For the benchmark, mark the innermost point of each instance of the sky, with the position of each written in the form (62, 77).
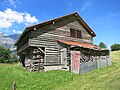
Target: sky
(102, 16)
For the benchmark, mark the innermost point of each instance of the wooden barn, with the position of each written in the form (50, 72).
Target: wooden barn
(62, 43)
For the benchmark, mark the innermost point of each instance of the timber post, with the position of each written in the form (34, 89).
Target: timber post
(14, 86)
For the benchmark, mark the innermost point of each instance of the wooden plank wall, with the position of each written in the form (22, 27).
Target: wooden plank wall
(48, 35)
(51, 47)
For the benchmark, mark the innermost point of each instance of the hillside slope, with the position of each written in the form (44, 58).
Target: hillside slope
(107, 78)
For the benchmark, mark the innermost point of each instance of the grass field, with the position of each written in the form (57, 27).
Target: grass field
(107, 78)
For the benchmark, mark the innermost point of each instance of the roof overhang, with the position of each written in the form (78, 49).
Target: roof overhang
(82, 45)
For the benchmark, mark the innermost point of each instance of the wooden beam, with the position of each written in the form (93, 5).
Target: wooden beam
(41, 50)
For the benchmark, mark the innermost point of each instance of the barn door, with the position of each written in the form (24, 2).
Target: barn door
(64, 58)
(75, 62)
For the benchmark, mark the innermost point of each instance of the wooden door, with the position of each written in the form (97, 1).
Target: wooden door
(75, 62)
(64, 58)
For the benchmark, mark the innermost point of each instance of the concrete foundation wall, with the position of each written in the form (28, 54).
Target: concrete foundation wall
(47, 68)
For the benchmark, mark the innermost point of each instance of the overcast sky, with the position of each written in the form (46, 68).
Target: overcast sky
(103, 16)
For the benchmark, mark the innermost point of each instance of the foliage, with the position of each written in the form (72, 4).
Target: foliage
(95, 45)
(14, 58)
(102, 45)
(6, 56)
(107, 78)
(115, 47)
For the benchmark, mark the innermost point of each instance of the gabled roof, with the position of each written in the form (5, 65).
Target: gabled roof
(54, 20)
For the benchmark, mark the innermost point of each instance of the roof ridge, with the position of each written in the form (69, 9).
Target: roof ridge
(51, 20)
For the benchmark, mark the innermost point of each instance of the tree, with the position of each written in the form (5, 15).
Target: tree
(115, 47)
(13, 59)
(6, 56)
(102, 45)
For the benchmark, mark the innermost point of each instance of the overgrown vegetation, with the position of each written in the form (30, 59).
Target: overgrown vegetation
(107, 78)
(6, 56)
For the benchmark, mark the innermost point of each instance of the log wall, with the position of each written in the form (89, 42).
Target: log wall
(47, 36)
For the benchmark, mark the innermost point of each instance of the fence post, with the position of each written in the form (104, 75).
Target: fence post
(14, 85)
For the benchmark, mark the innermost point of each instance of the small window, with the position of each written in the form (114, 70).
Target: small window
(79, 34)
(75, 33)
(72, 32)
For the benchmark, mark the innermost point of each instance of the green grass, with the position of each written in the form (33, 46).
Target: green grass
(26, 80)
(107, 78)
